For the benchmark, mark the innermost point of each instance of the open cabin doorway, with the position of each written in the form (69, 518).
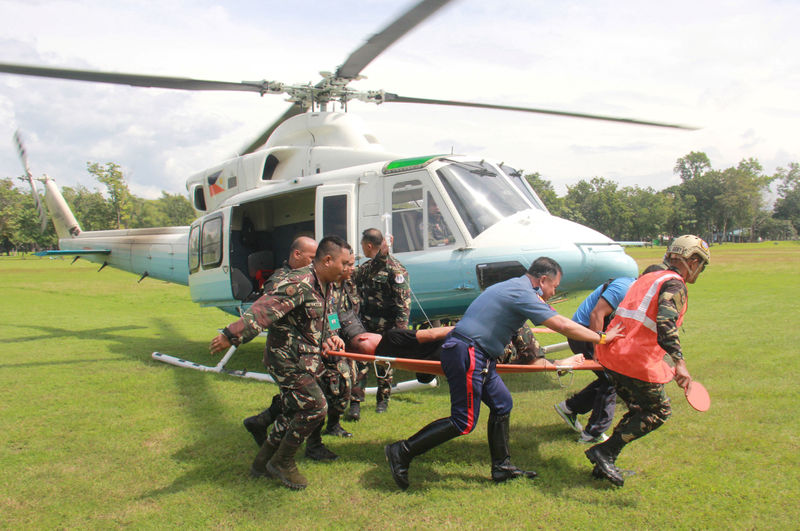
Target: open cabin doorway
(261, 233)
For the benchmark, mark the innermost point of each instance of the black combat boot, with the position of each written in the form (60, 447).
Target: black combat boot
(502, 469)
(259, 467)
(258, 425)
(400, 453)
(604, 465)
(316, 450)
(604, 456)
(333, 427)
(354, 414)
(283, 467)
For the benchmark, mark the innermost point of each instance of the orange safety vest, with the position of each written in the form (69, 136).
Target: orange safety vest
(638, 354)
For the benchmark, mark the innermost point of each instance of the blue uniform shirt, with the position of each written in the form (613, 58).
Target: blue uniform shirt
(613, 295)
(500, 311)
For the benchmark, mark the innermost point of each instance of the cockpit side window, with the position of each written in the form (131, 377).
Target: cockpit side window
(407, 216)
(519, 181)
(439, 233)
(480, 194)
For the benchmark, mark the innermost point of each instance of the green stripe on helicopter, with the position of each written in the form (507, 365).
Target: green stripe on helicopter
(408, 164)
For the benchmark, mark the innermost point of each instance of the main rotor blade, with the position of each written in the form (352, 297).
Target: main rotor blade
(294, 110)
(379, 42)
(394, 98)
(134, 80)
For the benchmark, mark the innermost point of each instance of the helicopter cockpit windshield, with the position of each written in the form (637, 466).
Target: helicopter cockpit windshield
(481, 194)
(519, 181)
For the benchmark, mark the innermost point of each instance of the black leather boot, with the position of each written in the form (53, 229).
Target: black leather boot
(502, 469)
(604, 465)
(316, 450)
(334, 427)
(258, 425)
(400, 453)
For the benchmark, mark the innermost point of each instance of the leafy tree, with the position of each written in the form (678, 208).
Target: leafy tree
(544, 189)
(29, 233)
(91, 209)
(20, 226)
(692, 165)
(680, 217)
(787, 207)
(741, 196)
(9, 212)
(650, 212)
(178, 209)
(118, 193)
(602, 206)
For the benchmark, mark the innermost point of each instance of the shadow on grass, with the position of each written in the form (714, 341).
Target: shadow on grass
(445, 465)
(52, 332)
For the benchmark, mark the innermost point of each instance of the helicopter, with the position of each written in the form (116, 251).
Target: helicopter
(459, 224)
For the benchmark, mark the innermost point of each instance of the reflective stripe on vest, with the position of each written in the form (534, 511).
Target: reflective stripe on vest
(638, 354)
(640, 313)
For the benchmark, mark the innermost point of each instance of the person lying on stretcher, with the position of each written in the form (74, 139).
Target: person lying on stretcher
(425, 344)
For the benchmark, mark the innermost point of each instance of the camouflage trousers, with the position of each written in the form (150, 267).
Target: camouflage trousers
(384, 376)
(302, 399)
(648, 406)
(337, 382)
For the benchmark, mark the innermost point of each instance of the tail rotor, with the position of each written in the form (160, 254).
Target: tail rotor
(23, 157)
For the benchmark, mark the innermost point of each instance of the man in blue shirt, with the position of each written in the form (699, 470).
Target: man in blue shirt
(469, 358)
(599, 397)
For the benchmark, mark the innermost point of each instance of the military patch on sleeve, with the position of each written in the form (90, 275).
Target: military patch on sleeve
(399, 278)
(291, 290)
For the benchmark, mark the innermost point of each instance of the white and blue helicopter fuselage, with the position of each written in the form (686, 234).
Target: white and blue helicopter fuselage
(458, 224)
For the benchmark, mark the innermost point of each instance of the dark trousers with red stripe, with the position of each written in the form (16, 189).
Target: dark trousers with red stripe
(473, 379)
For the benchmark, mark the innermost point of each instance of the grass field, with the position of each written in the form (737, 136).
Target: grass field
(97, 435)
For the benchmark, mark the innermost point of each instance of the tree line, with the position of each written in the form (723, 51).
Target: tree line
(719, 205)
(108, 206)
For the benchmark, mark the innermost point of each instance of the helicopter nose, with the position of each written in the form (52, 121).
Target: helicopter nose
(587, 257)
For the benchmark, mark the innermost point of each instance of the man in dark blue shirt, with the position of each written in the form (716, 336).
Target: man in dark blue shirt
(469, 358)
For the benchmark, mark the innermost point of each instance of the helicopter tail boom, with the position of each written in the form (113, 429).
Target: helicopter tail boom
(64, 221)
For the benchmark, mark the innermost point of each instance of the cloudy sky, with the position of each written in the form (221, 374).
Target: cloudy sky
(731, 68)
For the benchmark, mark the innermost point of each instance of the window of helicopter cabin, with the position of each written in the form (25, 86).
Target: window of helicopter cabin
(269, 167)
(194, 248)
(525, 187)
(199, 198)
(211, 243)
(334, 216)
(481, 196)
(407, 216)
(439, 233)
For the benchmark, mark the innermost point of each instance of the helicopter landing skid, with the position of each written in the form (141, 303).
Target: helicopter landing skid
(219, 368)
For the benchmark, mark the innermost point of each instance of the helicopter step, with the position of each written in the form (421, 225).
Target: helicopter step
(219, 368)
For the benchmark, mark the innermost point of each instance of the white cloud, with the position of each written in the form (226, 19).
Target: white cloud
(728, 67)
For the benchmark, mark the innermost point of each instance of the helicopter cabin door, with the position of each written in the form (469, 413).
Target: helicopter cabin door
(209, 272)
(336, 212)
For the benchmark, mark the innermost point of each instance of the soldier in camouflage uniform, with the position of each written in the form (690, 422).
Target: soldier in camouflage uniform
(524, 349)
(302, 321)
(301, 253)
(383, 287)
(635, 363)
(340, 372)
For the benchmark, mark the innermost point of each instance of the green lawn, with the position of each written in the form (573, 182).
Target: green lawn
(96, 435)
